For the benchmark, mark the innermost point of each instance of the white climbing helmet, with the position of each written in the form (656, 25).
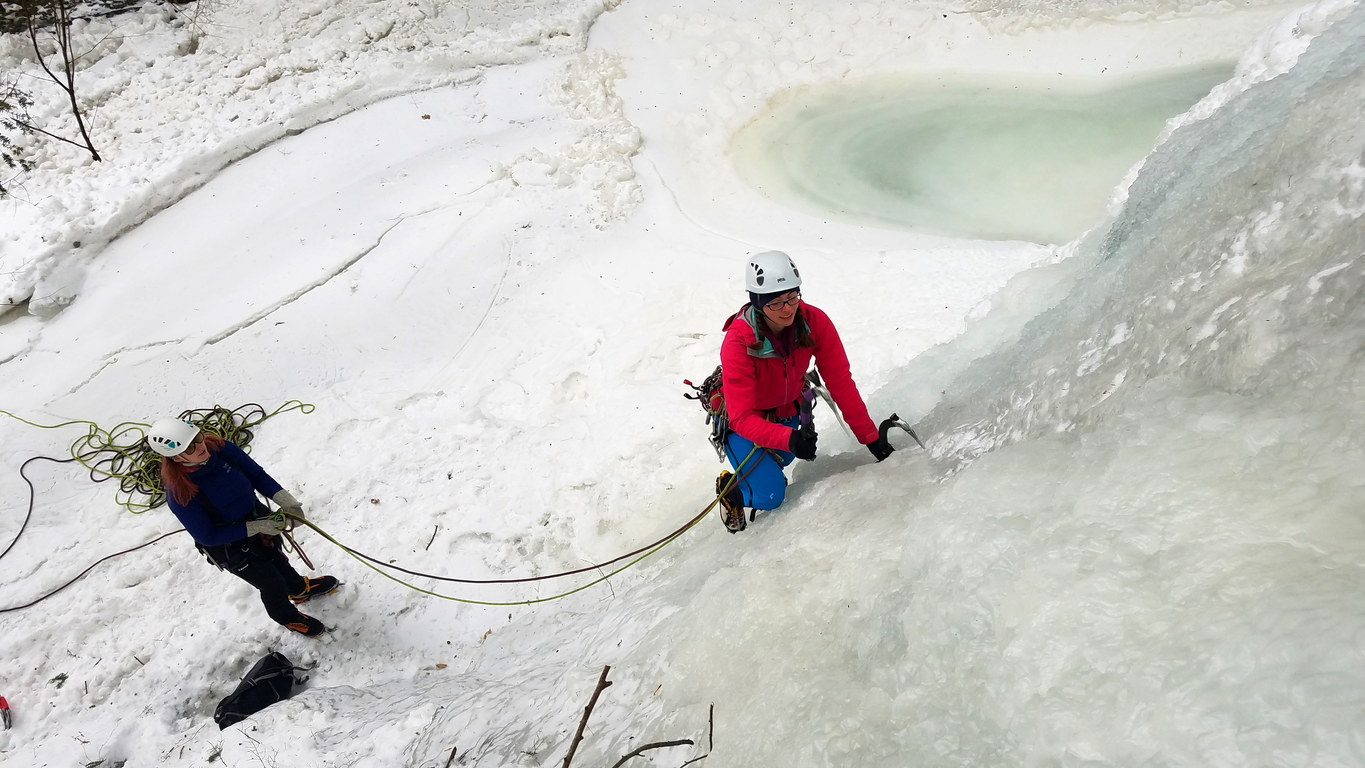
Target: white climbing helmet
(170, 437)
(771, 272)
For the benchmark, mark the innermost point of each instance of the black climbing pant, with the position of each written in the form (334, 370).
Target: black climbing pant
(260, 562)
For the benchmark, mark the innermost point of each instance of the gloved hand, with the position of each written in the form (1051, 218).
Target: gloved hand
(287, 503)
(802, 443)
(881, 448)
(267, 525)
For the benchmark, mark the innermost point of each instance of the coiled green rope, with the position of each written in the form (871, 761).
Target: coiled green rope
(122, 453)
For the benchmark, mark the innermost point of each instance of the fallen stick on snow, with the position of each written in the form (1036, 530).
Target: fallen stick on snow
(602, 684)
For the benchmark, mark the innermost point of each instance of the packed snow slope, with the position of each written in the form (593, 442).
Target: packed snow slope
(1134, 537)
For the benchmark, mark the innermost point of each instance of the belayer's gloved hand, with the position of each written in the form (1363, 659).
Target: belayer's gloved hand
(881, 448)
(287, 503)
(266, 525)
(802, 444)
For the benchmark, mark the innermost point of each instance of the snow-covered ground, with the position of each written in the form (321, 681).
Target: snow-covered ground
(489, 241)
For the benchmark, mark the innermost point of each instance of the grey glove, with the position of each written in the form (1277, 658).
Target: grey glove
(287, 503)
(266, 525)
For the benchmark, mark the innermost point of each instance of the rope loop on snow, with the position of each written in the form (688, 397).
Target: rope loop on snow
(380, 567)
(383, 568)
(234, 425)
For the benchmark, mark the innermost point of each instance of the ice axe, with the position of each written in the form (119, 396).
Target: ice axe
(813, 378)
(895, 421)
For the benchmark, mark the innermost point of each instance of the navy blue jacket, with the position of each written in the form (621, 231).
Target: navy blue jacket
(229, 480)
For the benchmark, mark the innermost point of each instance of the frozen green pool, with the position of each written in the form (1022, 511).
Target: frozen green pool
(995, 157)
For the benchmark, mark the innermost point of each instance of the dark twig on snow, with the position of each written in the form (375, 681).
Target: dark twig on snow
(655, 745)
(710, 738)
(433, 537)
(452, 757)
(602, 684)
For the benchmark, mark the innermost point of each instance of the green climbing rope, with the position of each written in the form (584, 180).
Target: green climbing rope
(378, 567)
(122, 453)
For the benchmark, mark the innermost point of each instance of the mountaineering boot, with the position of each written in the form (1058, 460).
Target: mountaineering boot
(322, 585)
(309, 626)
(731, 502)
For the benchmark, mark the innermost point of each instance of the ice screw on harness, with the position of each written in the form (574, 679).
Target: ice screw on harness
(4, 713)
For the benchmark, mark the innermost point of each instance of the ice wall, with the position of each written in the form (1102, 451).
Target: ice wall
(1140, 544)
(1016, 14)
(1236, 263)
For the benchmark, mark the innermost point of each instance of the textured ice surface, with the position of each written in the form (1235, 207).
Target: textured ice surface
(998, 157)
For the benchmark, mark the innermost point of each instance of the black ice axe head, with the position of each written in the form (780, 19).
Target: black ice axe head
(895, 421)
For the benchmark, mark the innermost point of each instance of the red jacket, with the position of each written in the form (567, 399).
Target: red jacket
(761, 385)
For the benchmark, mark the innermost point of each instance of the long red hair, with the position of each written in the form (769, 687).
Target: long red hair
(176, 477)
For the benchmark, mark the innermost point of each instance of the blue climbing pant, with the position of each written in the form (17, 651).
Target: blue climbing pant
(761, 478)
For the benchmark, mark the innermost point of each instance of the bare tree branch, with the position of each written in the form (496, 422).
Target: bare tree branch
(28, 127)
(655, 745)
(61, 33)
(602, 684)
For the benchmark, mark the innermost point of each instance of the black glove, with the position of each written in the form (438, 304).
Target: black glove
(802, 444)
(881, 448)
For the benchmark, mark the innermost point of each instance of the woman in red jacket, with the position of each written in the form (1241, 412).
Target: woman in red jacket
(768, 347)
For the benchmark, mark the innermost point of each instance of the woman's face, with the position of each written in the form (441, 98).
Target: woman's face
(197, 453)
(781, 311)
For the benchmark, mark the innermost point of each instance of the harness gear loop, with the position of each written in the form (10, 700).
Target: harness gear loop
(712, 400)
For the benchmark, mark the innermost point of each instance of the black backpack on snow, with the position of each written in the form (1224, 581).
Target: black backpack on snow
(269, 680)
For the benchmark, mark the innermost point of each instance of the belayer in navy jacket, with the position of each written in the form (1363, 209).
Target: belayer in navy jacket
(228, 483)
(211, 486)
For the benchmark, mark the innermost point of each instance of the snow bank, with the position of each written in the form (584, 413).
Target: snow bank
(236, 78)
